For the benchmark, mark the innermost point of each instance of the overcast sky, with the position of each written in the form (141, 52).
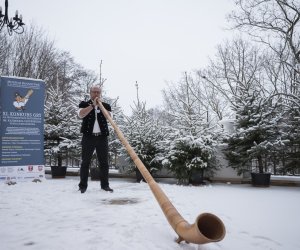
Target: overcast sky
(148, 41)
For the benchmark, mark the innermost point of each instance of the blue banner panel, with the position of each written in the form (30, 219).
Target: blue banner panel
(22, 128)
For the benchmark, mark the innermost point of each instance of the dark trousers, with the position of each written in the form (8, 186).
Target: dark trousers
(89, 144)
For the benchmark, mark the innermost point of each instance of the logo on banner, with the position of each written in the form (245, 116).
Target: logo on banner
(30, 168)
(40, 168)
(20, 101)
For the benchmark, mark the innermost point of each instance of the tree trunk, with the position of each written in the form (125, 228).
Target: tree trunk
(59, 159)
(274, 168)
(260, 164)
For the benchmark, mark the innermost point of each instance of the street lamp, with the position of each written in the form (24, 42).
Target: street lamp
(14, 24)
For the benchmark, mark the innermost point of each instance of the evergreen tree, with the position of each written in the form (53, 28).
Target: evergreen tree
(187, 154)
(191, 145)
(257, 133)
(144, 135)
(291, 133)
(115, 146)
(61, 124)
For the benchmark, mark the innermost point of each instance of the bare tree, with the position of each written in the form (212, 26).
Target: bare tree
(273, 22)
(5, 48)
(236, 71)
(285, 81)
(32, 54)
(210, 98)
(184, 105)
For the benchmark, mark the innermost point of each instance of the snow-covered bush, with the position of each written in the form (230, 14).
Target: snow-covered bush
(188, 154)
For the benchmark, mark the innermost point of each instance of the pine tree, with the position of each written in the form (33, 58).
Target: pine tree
(61, 124)
(256, 135)
(188, 154)
(191, 144)
(291, 133)
(144, 135)
(115, 146)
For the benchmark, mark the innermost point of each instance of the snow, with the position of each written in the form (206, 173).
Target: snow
(52, 214)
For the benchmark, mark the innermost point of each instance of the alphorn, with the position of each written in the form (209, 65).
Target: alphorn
(207, 227)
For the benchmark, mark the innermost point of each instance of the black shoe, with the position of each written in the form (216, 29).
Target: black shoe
(82, 190)
(108, 189)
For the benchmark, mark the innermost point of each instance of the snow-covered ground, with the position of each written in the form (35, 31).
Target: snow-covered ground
(54, 215)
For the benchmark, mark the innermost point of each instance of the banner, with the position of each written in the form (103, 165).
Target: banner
(22, 129)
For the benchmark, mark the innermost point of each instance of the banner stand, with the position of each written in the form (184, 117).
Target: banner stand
(21, 129)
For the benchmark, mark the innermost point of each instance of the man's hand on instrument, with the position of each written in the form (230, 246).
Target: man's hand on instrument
(95, 103)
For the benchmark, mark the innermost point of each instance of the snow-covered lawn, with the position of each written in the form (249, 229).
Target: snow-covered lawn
(54, 215)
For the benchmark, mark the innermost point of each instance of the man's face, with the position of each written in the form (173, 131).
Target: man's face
(95, 92)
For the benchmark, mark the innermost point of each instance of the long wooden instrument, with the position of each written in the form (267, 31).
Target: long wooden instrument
(207, 227)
